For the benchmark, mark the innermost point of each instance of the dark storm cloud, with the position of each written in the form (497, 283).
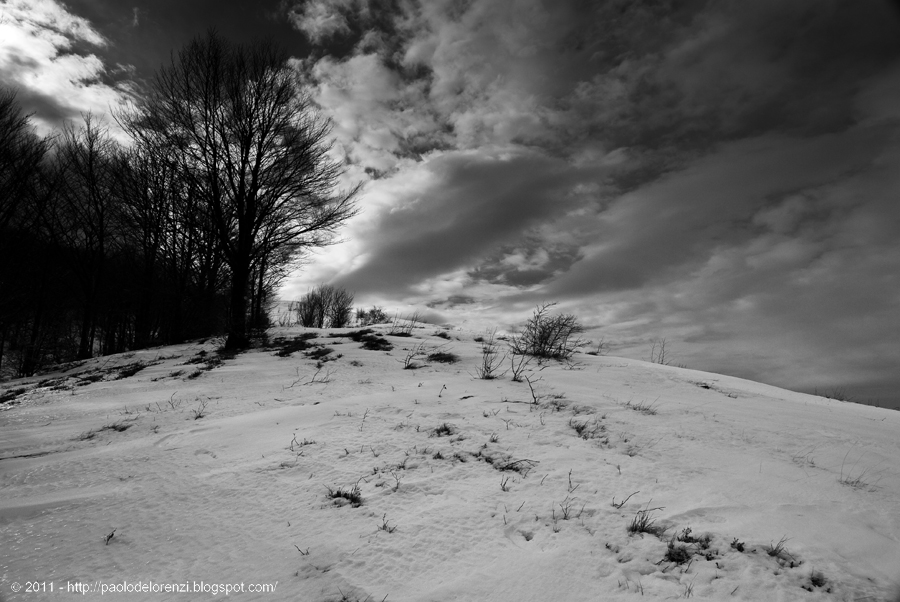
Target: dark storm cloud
(145, 33)
(803, 294)
(742, 68)
(667, 229)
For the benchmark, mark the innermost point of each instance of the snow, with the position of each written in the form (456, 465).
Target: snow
(514, 505)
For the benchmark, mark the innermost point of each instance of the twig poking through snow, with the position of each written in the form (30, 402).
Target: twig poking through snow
(622, 503)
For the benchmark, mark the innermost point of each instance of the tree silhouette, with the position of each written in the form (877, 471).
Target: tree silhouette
(85, 216)
(21, 152)
(247, 136)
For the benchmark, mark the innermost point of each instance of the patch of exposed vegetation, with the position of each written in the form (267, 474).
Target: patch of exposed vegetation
(444, 430)
(10, 395)
(443, 357)
(130, 369)
(350, 494)
(318, 353)
(285, 347)
(370, 339)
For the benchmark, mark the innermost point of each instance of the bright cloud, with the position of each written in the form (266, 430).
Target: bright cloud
(321, 20)
(44, 55)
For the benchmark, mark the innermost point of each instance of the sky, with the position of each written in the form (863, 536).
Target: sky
(724, 175)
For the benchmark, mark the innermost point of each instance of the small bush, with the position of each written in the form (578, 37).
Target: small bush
(413, 355)
(589, 429)
(776, 550)
(444, 430)
(659, 352)
(643, 407)
(687, 536)
(523, 467)
(403, 327)
(491, 360)
(375, 315)
(679, 554)
(644, 523)
(602, 348)
(352, 495)
(549, 337)
(325, 306)
(200, 411)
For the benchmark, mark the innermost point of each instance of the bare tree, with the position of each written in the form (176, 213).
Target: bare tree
(249, 138)
(659, 353)
(85, 215)
(21, 151)
(143, 181)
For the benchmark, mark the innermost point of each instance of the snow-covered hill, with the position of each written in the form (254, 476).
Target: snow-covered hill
(362, 480)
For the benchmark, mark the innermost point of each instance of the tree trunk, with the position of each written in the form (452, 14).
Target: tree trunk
(258, 321)
(32, 349)
(85, 340)
(237, 334)
(2, 344)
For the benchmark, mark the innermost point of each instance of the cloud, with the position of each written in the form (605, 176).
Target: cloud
(531, 261)
(321, 20)
(714, 172)
(455, 208)
(379, 119)
(797, 268)
(657, 232)
(654, 84)
(42, 56)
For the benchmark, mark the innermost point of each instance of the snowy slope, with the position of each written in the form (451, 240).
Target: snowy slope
(512, 504)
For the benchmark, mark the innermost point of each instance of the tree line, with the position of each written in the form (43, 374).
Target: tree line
(182, 232)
